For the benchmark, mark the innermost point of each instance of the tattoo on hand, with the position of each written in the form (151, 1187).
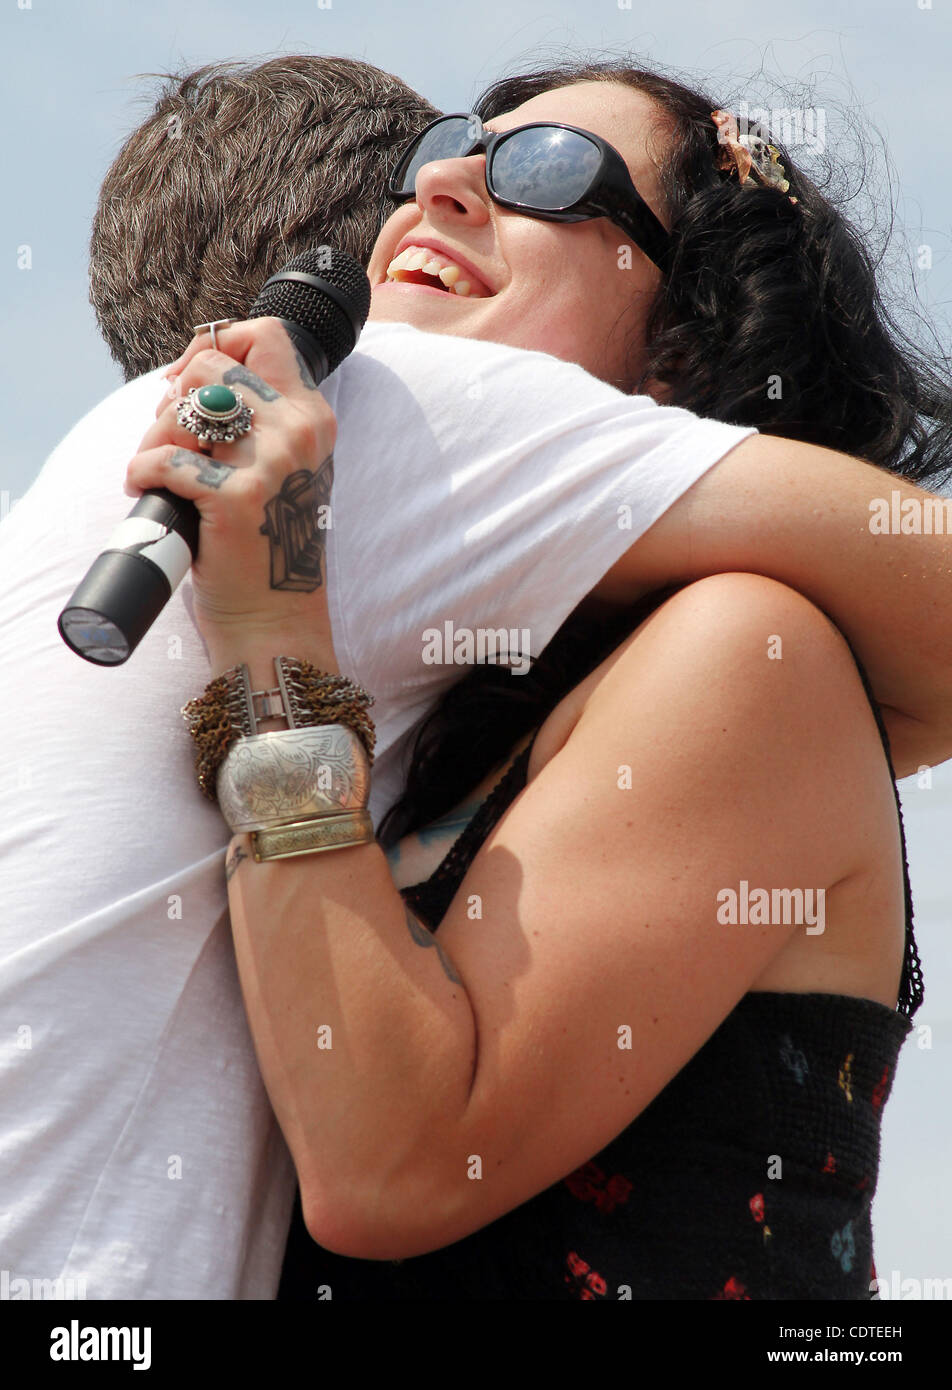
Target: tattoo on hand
(233, 862)
(241, 376)
(210, 471)
(424, 937)
(293, 525)
(304, 370)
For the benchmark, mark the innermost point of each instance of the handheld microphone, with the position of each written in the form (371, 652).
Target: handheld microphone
(322, 298)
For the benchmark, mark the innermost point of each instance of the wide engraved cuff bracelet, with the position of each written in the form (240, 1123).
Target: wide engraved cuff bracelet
(292, 775)
(304, 697)
(313, 836)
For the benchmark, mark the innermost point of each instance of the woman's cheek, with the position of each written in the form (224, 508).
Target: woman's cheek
(390, 233)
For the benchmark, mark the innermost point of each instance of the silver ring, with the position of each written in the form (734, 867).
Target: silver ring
(218, 323)
(214, 422)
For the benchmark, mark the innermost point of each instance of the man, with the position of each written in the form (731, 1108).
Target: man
(150, 1165)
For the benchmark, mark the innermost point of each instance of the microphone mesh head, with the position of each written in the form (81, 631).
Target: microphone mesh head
(314, 310)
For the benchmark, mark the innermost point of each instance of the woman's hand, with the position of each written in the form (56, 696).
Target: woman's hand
(264, 501)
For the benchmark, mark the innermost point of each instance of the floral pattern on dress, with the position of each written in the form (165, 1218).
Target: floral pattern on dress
(879, 1090)
(585, 1282)
(793, 1058)
(843, 1247)
(758, 1212)
(589, 1184)
(845, 1078)
(732, 1289)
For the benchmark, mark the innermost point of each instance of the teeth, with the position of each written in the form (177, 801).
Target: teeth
(431, 263)
(400, 262)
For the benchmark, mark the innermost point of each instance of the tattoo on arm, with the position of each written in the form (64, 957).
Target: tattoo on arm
(424, 937)
(210, 471)
(241, 376)
(233, 862)
(304, 371)
(293, 526)
(452, 824)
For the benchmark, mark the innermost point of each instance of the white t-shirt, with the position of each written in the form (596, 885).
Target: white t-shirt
(474, 484)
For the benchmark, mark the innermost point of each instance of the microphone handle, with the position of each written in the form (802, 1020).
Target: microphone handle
(130, 582)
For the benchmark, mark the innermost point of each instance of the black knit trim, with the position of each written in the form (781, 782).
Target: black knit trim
(911, 984)
(431, 898)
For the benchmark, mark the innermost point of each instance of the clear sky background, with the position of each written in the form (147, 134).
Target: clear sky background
(70, 96)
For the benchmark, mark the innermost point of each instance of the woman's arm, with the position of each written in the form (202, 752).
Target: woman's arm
(425, 1092)
(809, 517)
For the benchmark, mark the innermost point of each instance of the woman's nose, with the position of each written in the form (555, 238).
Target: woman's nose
(454, 188)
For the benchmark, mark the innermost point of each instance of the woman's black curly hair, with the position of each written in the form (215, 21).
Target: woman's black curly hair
(770, 315)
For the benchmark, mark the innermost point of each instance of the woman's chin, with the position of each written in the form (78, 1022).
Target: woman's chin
(432, 310)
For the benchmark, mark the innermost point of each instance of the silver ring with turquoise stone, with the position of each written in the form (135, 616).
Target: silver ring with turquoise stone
(217, 414)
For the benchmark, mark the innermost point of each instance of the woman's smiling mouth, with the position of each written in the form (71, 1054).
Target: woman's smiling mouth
(424, 266)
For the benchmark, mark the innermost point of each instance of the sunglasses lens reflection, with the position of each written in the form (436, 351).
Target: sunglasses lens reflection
(448, 140)
(548, 169)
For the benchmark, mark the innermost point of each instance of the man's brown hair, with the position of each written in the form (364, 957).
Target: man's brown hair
(236, 170)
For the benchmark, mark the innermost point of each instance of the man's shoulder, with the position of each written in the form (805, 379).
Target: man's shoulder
(408, 348)
(470, 390)
(115, 424)
(123, 409)
(81, 479)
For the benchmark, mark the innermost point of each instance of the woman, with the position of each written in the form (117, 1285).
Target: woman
(611, 1077)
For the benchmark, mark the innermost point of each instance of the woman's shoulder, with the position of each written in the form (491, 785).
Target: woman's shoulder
(744, 690)
(704, 619)
(774, 685)
(732, 625)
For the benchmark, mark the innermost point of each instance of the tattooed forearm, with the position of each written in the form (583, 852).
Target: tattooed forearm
(210, 471)
(424, 937)
(241, 376)
(233, 862)
(296, 524)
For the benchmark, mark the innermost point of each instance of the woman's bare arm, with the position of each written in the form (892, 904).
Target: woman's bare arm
(582, 962)
(802, 515)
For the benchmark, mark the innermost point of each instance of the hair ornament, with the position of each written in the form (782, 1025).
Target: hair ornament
(749, 154)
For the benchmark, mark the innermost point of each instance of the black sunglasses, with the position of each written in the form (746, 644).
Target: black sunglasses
(548, 170)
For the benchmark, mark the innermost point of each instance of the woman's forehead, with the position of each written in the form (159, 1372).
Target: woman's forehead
(626, 118)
